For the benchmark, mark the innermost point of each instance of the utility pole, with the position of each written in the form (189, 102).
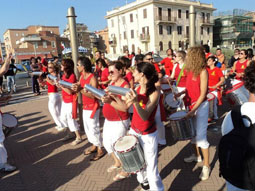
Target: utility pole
(192, 35)
(74, 45)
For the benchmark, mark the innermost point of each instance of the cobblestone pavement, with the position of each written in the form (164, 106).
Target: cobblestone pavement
(46, 163)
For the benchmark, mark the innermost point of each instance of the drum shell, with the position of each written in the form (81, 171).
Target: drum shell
(133, 159)
(211, 106)
(167, 107)
(182, 129)
(238, 96)
(8, 125)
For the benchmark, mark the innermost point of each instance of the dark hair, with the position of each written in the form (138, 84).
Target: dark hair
(250, 53)
(68, 67)
(86, 63)
(171, 50)
(98, 51)
(12, 61)
(212, 57)
(148, 53)
(206, 48)
(118, 64)
(38, 58)
(249, 77)
(102, 61)
(150, 73)
(245, 52)
(218, 49)
(31, 58)
(125, 61)
(139, 58)
(132, 53)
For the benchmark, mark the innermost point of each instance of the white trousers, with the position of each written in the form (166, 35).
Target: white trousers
(112, 131)
(215, 108)
(54, 106)
(3, 152)
(92, 127)
(66, 117)
(149, 143)
(201, 124)
(160, 128)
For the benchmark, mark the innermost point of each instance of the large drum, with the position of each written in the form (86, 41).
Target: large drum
(165, 88)
(211, 98)
(182, 128)
(170, 103)
(237, 94)
(130, 153)
(9, 122)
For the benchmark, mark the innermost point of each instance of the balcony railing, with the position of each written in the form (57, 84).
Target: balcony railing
(206, 22)
(29, 39)
(166, 20)
(144, 37)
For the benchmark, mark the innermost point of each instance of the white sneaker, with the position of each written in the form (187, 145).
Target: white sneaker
(193, 158)
(205, 173)
(59, 128)
(7, 168)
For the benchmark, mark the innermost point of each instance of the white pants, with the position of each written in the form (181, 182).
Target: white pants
(149, 143)
(3, 152)
(160, 128)
(112, 131)
(66, 117)
(54, 106)
(215, 108)
(201, 124)
(92, 127)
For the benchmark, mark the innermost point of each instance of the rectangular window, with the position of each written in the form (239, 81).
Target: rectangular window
(180, 44)
(179, 30)
(131, 18)
(112, 23)
(169, 30)
(203, 17)
(179, 13)
(202, 30)
(53, 44)
(160, 13)
(133, 48)
(208, 30)
(187, 31)
(169, 14)
(132, 34)
(125, 35)
(187, 14)
(44, 44)
(35, 45)
(160, 29)
(208, 17)
(202, 42)
(145, 13)
(123, 20)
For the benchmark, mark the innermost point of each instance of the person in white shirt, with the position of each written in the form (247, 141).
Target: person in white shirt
(246, 109)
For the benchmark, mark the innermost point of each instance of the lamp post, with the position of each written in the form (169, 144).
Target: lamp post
(192, 37)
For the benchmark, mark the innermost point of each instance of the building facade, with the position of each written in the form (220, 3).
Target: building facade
(233, 30)
(2, 52)
(103, 42)
(156, 25)
(34, 41)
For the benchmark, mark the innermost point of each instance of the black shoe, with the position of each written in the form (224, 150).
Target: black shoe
(145, 185)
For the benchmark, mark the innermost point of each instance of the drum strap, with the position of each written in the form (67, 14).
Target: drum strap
(180, 75)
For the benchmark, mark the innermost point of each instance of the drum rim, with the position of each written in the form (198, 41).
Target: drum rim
(212, 97)
(176, 119)
(11, 115)
(235, 87)
(127, 150)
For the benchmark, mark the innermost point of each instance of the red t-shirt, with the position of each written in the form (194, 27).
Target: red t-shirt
(88, 103)
(240, 67)
(45, 64)
(167, 62)
(138, 124)
(104, 77)
(207, 55)
(214, 76)
(52, 88)
(156, 67)
(129, 77)
(112, 114)
(192, 90)
(68, 98)
(182, 82)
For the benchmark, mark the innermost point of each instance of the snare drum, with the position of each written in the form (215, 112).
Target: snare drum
(9, 122)
(238, 94)
(165, 87)
(130, 153)
(211, 98)
(170, 103)
(182, 128)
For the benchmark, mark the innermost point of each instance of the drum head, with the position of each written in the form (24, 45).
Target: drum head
(178, 115)
(125, 143)
(9, 120)
(165, 87)
(170, 101)
(210, 96)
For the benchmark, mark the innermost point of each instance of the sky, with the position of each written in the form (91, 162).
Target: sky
(22, 13)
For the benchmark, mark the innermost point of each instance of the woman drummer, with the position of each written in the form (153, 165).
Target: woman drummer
(143, 124)
(116, 116)
(196, 101)
(91, 110)
(215, 80)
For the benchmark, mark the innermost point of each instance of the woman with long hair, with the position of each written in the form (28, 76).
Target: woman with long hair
(91, 108)
(103, 74)
(143, 123)
(116, 117)
(128, 72)
(54, 103)
(67, 66)
(196, 101)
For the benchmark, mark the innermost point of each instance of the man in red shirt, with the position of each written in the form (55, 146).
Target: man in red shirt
(167, 62)
(45, 63)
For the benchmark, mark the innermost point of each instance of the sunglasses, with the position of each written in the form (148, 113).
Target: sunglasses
(149, 59)
(111, 72)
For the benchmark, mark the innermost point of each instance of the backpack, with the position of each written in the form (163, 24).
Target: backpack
(237, 153)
